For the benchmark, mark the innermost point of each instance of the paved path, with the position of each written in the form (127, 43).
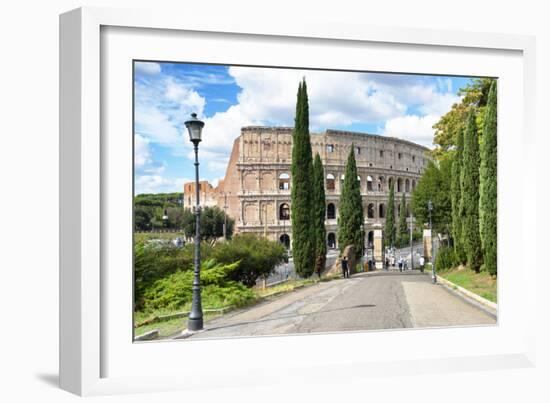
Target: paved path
(383, 300)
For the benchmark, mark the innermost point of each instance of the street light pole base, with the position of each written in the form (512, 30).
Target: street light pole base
(195, 324)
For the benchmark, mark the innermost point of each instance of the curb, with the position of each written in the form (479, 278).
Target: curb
(489, 305)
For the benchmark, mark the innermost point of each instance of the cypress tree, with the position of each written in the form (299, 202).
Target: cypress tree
(319, 212)
(350, 218)
(456, 198)
(470, 195)
(390, 218)
(403, 229)
(303, 240)
(488, 184)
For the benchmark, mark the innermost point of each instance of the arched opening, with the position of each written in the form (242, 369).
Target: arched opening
(330, 182)
(399, 185)
(370, 211)
(370, 239)
(381, 210)
(285, 240)
(331, 211)
(369, 183)
(407, 186)
(331, 240)
(284, 212)
(390, 183)
(380, 183)
(284, 181)
(413, 184)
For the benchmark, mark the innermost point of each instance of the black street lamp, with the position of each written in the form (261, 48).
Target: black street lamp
(195, 322)
(430, 208)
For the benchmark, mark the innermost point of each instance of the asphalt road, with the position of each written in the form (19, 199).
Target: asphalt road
(367, 301)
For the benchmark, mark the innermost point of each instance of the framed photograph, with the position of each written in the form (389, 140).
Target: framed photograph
(236, 193)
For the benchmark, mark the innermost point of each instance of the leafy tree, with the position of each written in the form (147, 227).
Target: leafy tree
(303, 236)
(257, 257)
(470, 195)
(350, 218)
(212, 220)
(457, 213)
(403, 229)
(320, 212)
(390, 229)
(488, 184)
(434, 185)
(142, 218)
(447, 129)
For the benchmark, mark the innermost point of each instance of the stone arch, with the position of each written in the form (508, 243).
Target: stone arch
(407, 186)
(370, 210)
(331, 240)
(284, 181)
(330, 179)
(331, 211)
(369, 183)
(399, 185)
(285, 240)
(381, 183)
(381, 210)
(284, 211)
(370, 239)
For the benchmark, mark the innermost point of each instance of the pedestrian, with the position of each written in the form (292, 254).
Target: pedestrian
(400, 264)
(345, 269)
(421, 261)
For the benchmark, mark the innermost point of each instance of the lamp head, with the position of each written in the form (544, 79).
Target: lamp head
(194, 126)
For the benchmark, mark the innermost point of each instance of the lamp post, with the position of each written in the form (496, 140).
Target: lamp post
(411, 236)
(195, 322)
(430, 208)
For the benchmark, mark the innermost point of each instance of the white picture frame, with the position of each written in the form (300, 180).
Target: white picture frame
(87, 346)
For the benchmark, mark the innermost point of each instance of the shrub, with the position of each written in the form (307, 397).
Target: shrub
(175, 291)
(445, 258)
(257, 256)
(155, 259)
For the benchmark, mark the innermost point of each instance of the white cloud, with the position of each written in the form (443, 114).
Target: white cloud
(142, 154)
(418, 129)
(158, 184)
(148, 68)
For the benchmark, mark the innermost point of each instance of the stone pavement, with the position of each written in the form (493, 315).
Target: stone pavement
(367, 301)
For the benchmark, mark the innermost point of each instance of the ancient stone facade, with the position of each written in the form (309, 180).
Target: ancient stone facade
(257, 184)
(207, 194)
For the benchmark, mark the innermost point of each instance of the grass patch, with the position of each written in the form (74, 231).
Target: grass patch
(482, 284)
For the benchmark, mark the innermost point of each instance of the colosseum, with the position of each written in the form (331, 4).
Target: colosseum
(256, 187)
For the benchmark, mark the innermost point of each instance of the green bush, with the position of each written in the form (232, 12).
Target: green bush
(175, 291)
(157, 259)
(445, 259)
(257, 256)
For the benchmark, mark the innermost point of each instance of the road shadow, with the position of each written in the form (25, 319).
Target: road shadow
(230, 325)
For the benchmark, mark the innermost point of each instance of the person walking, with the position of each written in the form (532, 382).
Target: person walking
(345, 268)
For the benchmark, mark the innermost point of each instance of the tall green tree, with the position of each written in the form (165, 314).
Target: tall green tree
(470, 195)
(402, 228)
(320, 212)
(434, 186)
(302, 195)
(488, 184)
(390, 217)
(456, 199)
(350, 218)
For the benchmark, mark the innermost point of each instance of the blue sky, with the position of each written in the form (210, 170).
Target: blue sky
(229, 97)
